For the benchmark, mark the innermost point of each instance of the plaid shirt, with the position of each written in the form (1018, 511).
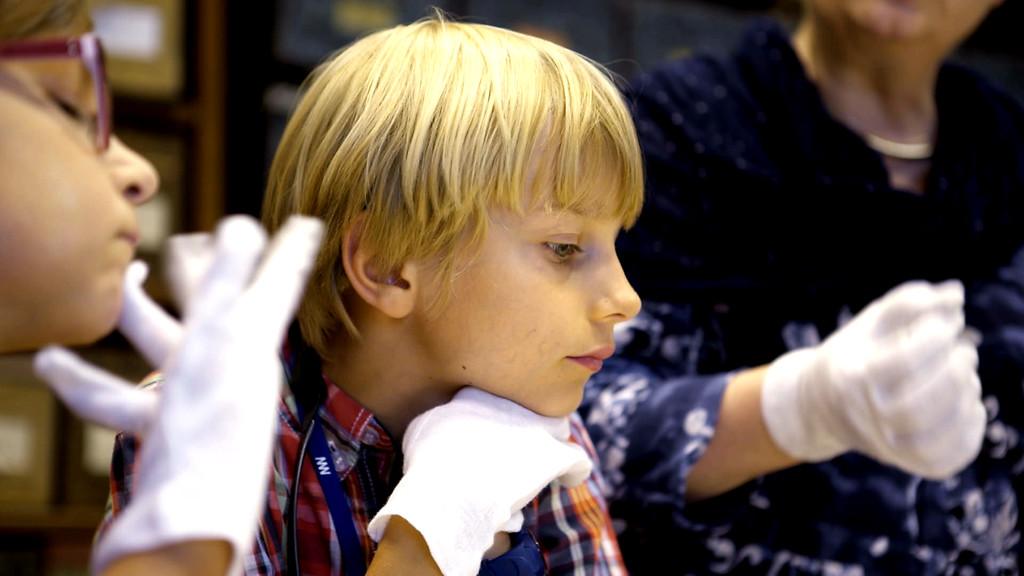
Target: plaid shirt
(572, 526)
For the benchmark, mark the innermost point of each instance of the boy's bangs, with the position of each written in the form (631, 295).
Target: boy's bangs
(586, 157)
(604, 181)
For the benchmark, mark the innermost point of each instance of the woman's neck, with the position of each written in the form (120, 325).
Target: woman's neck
(884, 91)
(872, 86)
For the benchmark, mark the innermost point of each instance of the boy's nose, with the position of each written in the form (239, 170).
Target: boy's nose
(619, 301)
(133, 175)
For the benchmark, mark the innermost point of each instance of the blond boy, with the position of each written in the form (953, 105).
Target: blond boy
(472, 182)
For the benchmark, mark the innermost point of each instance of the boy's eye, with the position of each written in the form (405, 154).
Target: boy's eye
(563, 251)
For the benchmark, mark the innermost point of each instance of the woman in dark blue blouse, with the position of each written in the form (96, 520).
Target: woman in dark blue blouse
(790, 186)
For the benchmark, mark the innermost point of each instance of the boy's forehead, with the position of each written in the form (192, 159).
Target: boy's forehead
(595, 190)
(542, 216)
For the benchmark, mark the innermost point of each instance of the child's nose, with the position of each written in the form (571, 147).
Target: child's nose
(133, 175)
(620, 302)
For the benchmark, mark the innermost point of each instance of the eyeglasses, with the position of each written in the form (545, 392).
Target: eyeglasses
(89, 50)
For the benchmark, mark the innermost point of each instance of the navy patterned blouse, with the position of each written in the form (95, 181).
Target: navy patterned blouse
(767, 225)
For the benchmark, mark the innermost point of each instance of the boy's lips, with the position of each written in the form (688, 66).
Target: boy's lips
(594, 359)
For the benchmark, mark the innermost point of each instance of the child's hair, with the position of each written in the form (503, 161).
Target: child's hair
(21, 19)
(415, 132)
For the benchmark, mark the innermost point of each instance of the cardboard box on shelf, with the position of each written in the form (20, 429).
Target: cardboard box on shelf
(28, 422)
(144, 43)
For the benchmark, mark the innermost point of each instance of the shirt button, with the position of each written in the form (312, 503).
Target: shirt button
(370, 436)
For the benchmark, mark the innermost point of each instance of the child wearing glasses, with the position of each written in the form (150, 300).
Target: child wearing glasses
(68, 232)
(472, 181)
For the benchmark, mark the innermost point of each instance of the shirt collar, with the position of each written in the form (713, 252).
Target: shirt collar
(354, 418)
(340, 410)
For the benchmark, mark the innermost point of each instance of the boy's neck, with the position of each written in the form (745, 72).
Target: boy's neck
(384, 373)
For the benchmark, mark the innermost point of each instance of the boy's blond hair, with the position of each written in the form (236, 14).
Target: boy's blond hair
(417, 131)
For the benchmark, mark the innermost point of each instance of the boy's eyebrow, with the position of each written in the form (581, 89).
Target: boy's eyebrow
(553, 213)
(558, 220)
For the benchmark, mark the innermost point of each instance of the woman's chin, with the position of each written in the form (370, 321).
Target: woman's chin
(893, 21)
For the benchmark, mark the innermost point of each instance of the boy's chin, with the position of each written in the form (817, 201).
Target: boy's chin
(559, 406)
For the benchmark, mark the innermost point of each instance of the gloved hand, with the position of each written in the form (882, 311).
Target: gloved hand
(899, 383)
(471, 465)
(208, 433)
(187, 259)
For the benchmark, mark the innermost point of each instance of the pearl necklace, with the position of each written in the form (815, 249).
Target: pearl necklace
(899, 150)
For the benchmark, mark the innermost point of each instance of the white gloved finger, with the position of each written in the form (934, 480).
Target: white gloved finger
(514, 524)
(907, 302)
(145, 324)
(95, 395)
(950, 446)
(925, 343)
(931, 399)
(188, 259)
(972, 432)
(496, 408)
(239, 243)
(281, 277)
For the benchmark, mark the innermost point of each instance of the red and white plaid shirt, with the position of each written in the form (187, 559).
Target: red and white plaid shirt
(572, 526)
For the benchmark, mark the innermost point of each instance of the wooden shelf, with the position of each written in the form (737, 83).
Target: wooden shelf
(134, 111)
(66, 519)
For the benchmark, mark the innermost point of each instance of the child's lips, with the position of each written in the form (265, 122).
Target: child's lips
(129, 236)
(589, 362)
(594, 359)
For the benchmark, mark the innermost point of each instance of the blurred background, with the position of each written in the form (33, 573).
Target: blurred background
(203, 89)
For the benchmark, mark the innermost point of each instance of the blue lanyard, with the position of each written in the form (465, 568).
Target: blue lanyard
(352, 560)
(524, 558)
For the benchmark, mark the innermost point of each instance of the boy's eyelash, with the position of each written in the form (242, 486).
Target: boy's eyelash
(563, 251)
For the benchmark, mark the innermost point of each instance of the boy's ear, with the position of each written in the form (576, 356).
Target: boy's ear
(391, 292)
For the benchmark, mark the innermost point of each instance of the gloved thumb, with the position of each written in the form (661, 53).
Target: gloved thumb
(514, 524)
(152, 331)
(189, 258)
(94, 394)
(580, 468)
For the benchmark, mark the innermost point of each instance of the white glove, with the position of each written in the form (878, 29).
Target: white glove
(471, 465)
(899, 383)
(187, 259)
(207, 435)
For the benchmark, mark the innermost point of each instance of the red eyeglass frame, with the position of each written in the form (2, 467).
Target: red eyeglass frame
(86, 48)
